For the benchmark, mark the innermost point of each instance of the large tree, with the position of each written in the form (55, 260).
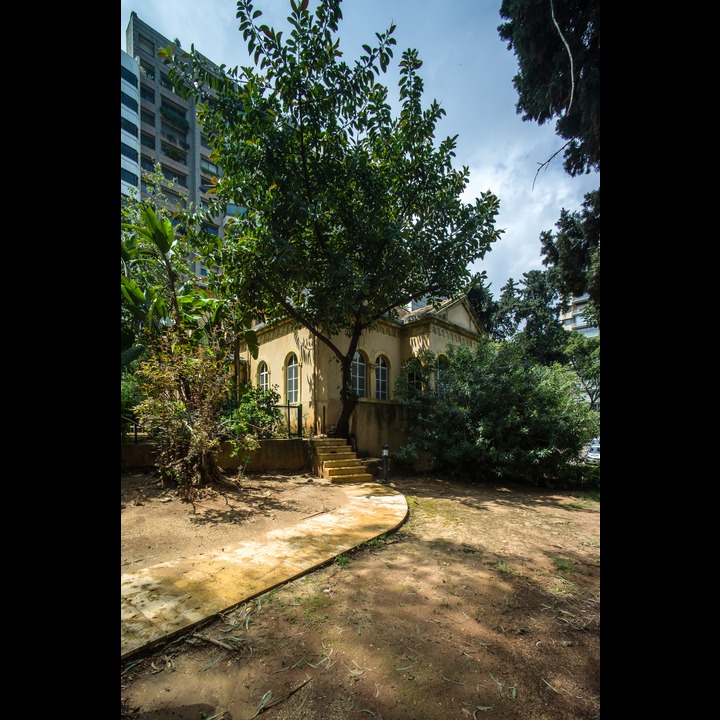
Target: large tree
(557, 44)
(346, 210)
(575, 252)
(528, 315)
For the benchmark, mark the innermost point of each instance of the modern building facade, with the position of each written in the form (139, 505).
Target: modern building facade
(168, 132)
(574, 318)
(129, 124)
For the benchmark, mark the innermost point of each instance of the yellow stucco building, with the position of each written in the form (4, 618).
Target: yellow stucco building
(306, 373)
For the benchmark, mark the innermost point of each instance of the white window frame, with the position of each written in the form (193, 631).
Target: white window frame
(382, 377)
(264, 377)
(358, 376)
(292, 375)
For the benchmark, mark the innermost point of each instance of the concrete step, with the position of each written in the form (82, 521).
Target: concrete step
(337, 459)
(342, 462)
(343, 470)
(327, 442)
(357, 478)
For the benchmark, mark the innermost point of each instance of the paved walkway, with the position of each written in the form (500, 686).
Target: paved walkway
(166, 600)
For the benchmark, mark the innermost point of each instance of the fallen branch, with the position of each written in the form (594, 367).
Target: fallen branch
(477, 707)
(280, 699)
(454, 682)
(219, 643)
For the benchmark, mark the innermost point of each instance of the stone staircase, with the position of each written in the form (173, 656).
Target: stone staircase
(335, 460)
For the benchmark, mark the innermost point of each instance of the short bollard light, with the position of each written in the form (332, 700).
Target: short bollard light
(385, 462)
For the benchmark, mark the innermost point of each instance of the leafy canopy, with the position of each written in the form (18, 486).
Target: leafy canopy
(157, 290)
(498, 413)
(557, 45)
(574, 251)
(346, 210)
(339, 211)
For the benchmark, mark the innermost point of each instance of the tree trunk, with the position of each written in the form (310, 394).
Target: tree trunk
(348, 397)
(343, 426)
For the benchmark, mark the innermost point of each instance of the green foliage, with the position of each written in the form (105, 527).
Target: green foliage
(186, 386)
(528, 314)
(482, 302)
(347, 211)
(588, 479)
(504, 325)
(583, 355)
(150, 267)
(575, 252)
(130, 396)
(406, 456)
(499, 413)
(413, 381)
(156, 289)
(557, 45)
(256, 415)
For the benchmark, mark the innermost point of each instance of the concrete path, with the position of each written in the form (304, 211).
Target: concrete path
(168, 599)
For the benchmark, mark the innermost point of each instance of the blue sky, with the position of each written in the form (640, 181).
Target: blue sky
(466, 68)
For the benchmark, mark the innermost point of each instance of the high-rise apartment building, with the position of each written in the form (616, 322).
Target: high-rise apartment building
(574, 317)
(163, 124)
(129, 124)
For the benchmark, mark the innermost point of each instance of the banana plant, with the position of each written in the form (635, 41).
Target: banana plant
(153, 294)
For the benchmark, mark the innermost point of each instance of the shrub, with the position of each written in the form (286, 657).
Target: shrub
(185, 385)
(501, 414)
(130, 397)
(255, 415)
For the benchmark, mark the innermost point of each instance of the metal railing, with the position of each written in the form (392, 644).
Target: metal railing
(288, 413)
(136, 427)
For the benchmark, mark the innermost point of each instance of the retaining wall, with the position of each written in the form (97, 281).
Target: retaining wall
(283, 454)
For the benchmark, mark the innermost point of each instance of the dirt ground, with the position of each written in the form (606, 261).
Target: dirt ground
(484, 604)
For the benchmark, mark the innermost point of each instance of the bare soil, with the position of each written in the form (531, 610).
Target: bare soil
(484, 604)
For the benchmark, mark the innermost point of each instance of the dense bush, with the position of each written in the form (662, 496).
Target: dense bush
(186, 385)
(497, 413)
(255, 415)
(130, 397)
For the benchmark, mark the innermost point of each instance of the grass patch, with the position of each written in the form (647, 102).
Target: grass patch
(377, 542)
(342, 560)
(503, 567)
(563, 587)
(591, 495)
(563, 566)
(315, 605)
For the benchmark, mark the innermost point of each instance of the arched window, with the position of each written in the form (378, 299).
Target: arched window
(415, 381)
(263, 377)
(381, 378)
(413, 373)
(441, 369)
(357, 373)
(291, 379)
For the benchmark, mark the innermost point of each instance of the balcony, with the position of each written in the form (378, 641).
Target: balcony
(174, 118)
(173, 140)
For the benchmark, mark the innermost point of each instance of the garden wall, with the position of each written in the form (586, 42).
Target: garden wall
(291, 454)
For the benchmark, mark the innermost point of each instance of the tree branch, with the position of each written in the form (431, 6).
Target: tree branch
(295, 315)
(567, 47)
(548, 161)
